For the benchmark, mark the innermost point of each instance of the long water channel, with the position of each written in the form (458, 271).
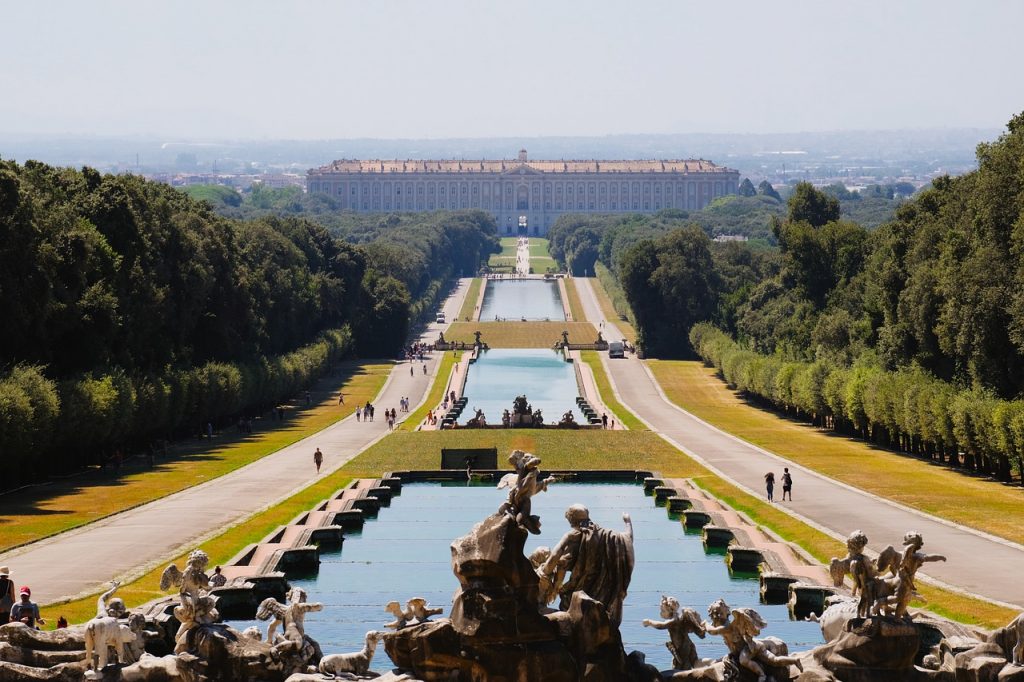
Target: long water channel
(405, 553)
(541, 374)
(522, 299)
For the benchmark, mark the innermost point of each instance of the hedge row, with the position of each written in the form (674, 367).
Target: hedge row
(907, 409)
(51, 427)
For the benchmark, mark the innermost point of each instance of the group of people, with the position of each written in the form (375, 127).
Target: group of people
(20, 609)
(787, 485)
(417, 351)
(365, 412)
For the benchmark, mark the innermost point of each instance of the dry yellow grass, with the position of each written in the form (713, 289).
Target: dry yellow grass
(521, 334)
(986, 505)
(43, 511)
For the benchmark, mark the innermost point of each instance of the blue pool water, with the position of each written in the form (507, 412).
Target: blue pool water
(405, 553)
(522, 299)
(501, 374)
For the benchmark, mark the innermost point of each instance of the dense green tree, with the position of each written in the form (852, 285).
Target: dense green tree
(746, 188)
(807, 204)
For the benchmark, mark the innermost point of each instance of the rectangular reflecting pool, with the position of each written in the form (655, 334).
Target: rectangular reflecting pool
(522, 299)
(405, 553)
(501, 374)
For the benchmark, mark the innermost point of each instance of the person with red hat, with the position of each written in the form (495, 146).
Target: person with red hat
(26, 611)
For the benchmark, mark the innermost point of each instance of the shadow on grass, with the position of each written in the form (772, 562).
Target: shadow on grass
(32, 500)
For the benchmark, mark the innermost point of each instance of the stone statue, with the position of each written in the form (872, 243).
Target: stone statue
(1017, 657)
(356, 663)
(549, 584)
(114, 608)
(520, 405)
(523, 485)
(680, 625)
(476, 335)
(401, 617)
(291, 617)
(600, 339)
(867, 576)
(479, 420)
(565, 338)
(105, 632)
(567, 419)
(912, 560)
(600, 561)
(196, 606)
(745, 651)
(420, 611)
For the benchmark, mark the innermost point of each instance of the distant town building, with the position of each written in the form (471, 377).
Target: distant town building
(538, 191)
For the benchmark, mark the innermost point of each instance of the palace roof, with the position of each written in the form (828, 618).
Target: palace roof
(514, 165)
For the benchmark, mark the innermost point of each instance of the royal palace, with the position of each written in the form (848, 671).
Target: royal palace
(523, 195)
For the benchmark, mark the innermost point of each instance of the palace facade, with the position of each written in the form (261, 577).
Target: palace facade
(524, 196)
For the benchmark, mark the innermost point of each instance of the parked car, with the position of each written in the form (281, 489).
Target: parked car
(616, 349)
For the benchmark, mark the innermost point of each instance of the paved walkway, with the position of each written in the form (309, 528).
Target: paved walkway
(978, 563)
(132, 542)
(523, 256)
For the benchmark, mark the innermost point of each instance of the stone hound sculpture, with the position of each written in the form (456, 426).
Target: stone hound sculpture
(680, 623)
(104, 632)
(1017, 655)
(420, 611)
(357, 663)
(196, 607)
(401, 617)
(291, 617)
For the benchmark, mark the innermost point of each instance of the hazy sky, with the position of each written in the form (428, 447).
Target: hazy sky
(445, 68)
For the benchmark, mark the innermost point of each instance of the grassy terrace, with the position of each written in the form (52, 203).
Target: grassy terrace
(605, 301)
(604, 387)
(987, 505)
(575, 306)
(559, 450)
(46, 510)
(521, 334)
(468, 311)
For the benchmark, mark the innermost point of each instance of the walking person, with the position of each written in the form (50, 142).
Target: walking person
(769, 483)
(318, 459)
(787, 485)
(6, 594)
(341, 398)
(359, 412)
(412, 372)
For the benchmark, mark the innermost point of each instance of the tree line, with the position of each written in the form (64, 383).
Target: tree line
(907, 409)
(133, 311)
(927, 307)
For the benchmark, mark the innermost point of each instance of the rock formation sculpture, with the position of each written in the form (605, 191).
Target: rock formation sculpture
(105, 633)
(680, 623)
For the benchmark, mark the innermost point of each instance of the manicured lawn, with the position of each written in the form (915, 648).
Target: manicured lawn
(436, 395)
(605, 301)
(542, 265)
(560, 449)
(575, 307)
(42, 511)
(468, 311)
(538, 248)
(521, 334)
(604, 387)
(987, 505)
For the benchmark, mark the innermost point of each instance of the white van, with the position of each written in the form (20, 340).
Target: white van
(616, 350)
(440, 319)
